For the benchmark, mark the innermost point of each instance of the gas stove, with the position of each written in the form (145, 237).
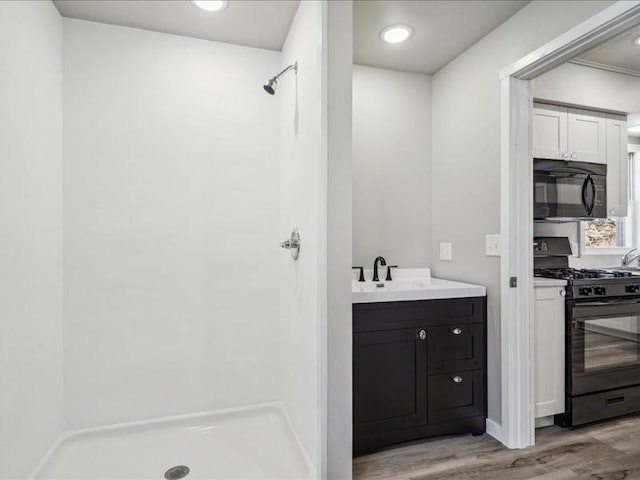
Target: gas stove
(579, 274)
(551, 260)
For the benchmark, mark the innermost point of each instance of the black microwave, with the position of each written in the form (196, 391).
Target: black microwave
(567, 190)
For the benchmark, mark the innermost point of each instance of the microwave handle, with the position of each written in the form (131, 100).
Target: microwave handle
(587, 181)
(584, 195)
(593, 194)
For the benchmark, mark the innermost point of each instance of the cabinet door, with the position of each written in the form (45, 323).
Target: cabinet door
(549, 350)
(389, 380)
(549, 131)
(617, 166)
(587, 136)
(455, 347)
(456, 395)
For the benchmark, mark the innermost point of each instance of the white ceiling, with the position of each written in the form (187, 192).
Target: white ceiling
(252, 23)
(618, 54)
(442, 30)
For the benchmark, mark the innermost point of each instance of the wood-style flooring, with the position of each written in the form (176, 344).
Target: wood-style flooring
(605, 451)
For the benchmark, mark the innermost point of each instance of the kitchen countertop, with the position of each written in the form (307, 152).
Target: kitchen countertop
(408, 285)
(548, 282)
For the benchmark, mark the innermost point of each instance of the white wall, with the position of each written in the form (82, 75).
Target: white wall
(171, 225)
(466, 173)
(589, 87)
(301, 205)
(338, 24)
(391, 167)
(31, 411)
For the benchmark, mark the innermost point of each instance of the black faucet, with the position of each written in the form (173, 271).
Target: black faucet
(383, 262)
(361, 276)
(389, 267)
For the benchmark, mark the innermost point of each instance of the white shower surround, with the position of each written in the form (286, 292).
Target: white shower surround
(171, 225)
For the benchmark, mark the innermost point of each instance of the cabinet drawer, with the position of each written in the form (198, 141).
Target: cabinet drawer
(455, 395)
(456, 347)
(368, 317)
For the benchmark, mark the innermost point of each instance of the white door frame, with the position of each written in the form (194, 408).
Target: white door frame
(516, 220)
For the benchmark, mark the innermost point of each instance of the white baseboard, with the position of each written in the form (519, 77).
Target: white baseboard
(494, 429)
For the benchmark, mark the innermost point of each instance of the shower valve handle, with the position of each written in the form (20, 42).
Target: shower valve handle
(292, 243)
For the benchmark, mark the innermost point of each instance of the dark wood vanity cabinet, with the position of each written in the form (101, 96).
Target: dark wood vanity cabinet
(419, 370)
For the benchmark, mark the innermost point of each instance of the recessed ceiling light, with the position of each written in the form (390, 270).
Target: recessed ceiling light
(636, 41)
(396, 33)
(211, 5)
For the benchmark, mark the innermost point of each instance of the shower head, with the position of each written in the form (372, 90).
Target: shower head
(272, 84)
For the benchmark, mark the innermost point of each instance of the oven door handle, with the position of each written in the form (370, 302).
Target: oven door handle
(611, 303)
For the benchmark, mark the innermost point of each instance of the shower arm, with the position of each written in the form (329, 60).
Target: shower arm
(293, 67)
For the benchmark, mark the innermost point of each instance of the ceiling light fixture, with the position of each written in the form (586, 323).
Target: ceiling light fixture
(396, 33)
(636, 41)
(210, 5)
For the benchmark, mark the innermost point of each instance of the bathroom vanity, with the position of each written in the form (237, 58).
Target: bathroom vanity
(419, 363)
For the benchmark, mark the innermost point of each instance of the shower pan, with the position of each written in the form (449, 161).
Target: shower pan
(250, 443)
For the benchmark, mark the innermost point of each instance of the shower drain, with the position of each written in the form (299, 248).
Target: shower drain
(177, 472)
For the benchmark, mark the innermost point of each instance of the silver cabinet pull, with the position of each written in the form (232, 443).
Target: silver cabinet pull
(457, 379)
(456, 331)
(422, 334)
(573, 156)
(562, 292)
(564, 155)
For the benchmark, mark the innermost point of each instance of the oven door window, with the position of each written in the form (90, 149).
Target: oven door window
(604, 344)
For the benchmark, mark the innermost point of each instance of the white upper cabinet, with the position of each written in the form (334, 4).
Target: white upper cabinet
(563, 133)
(587, 136)
(617, 166)
(549, 131)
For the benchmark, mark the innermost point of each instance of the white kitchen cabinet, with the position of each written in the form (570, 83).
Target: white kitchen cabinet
(549, 131)
(587, 136)
(617, 166)
(549, 350)
(569, 134)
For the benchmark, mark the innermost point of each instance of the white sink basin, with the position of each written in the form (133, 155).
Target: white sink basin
(410, 284)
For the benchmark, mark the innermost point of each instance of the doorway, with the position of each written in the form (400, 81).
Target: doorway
(517, 341)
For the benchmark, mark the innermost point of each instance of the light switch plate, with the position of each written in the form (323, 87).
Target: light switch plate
(446, 252)
(492, 245)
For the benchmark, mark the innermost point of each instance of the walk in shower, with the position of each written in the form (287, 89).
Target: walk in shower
(163, 332)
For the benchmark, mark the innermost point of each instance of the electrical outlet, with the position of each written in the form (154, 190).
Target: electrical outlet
(446, 252)
(492, 245)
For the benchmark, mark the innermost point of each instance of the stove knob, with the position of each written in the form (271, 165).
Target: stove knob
(632, 288)
(600, 291)
(585, 291)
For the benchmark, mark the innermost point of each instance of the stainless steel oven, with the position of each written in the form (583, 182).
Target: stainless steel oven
(568, 190)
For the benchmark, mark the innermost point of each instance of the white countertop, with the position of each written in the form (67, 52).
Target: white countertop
(410, 284)
(548, 282)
